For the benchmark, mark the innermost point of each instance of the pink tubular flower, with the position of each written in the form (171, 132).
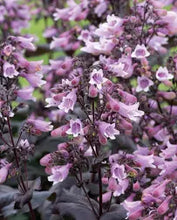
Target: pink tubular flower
(68, 102)
(160, 189)
(113, 104)
(7, 50)
(45, 161)
(143, 84)
(61, 131)
(40, 125)
(127, 97)
(140, 52)
(118, 171)
(134, 209)
(9, 70)
(35, 79)
(164, 207)
(100, 8)
(26, 93)
(112, 28)
(97, 78)
(162, 74)
(130, 111)
(59, 173)
(75, 128)
(25, 43)
(145, 161)
(108, 130)
(103, 46)
(93, 91)
(4, 173)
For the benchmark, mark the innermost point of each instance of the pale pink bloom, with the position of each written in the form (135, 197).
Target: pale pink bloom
(162, 74)
(24, 143)
(171, 20)
(130, 111)
(164, 206)
(156, 43)
(112, 28)
(26, 93)
(103, 46)
(61, 66)
(113, 104)
(61, 13)
(108, 130)
(51, 102)
(145, 161)
(170, 151)
(3, 12)
(132, 207)
(118, 171)
(4, 171)
(161, 134)
(60, 131)
(143, 84)
(9, 70)
(118, 69)
(33, 66)
(35, 79)
(100, 8)
(56, 115)
(121, 187)
(127, 97)
(25, 43)
(46, 160)
(140, 52)
(85, 35)
(106, 197)
(93, 91)
(7, 50)
(75, 128)
(50, 32)
(3, 174)
(59, 173)
(159, 189)
(168, 167)
(60, 42)
(68, 102)
(97, 79)
(74, 11)
(40, 124)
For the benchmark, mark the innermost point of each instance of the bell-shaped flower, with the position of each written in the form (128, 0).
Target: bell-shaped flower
(61, 131)
(40, 125)
(59, 173)
(26, 93)
(108, 130)
(162, 74)
(130, 111)
(97, 79)
(140, 52)
(68, 102)
(75, 128)
(9, 70)
(118, 171)
(143, 84)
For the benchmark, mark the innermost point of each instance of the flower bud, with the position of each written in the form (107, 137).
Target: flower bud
(61, 131)
(136, 186)
(164, 207)
(167, 95)
(44, 161)
(93, 91)
(113, 104)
